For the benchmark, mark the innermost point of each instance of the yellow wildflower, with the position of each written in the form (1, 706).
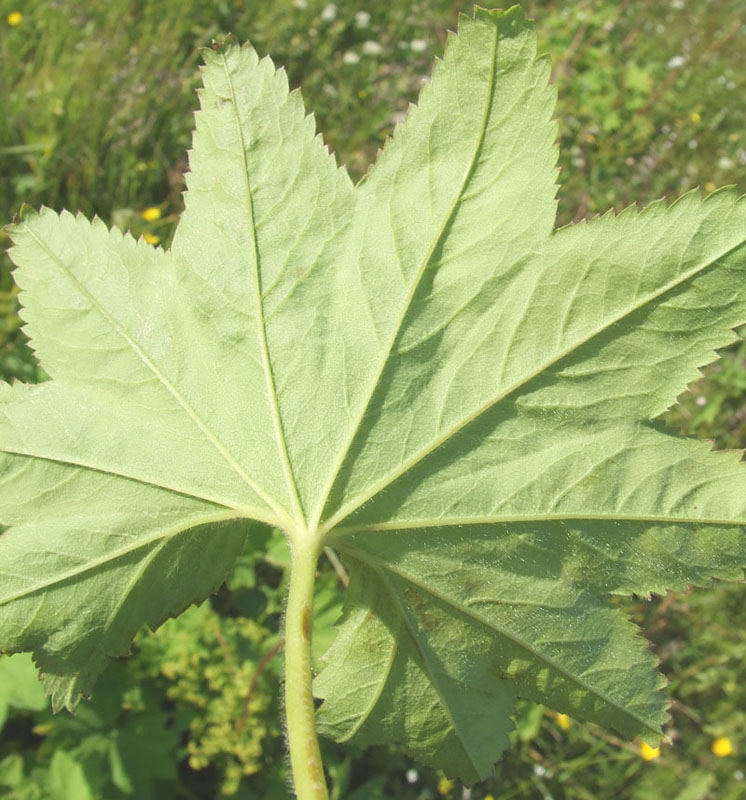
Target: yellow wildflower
(489, 797)
(151, 238)
(563, 721)
(444, 786)
(710, 187)
(42, 729)
(722, 747)
(14, 18)
(151, 214)
(695, 117)
(649, 753)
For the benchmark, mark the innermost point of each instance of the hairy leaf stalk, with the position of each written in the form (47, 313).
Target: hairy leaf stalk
(305, 757)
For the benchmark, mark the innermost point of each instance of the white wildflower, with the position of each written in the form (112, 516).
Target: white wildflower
(329, 13)
(350, 57)
(676, 61)
(362, 19)
(371, 48)
(418, 45)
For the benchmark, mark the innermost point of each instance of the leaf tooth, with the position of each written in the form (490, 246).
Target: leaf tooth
(729, 189)
(691, 197)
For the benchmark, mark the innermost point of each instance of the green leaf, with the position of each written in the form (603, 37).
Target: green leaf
(12, 771)
(143, 754)
(19, 686)
(417, 371)
(66, 779)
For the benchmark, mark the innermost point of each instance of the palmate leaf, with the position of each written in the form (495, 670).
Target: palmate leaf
(417, 371)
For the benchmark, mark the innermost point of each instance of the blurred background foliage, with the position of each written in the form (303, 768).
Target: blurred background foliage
(96, 116)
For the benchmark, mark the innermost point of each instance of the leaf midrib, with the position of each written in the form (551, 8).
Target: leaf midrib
(396, 329)
(409, 624)
(269, 378)
(496, 629)
(162, 379)
(115, 555)
(364, 715)
(355, 503)
(135, 578)
(237, 510)
(339, 533)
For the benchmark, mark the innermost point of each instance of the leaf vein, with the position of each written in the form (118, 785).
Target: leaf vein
(150, 365)
(352, 505)
(415, 282)
(513, 637)
(262, 324)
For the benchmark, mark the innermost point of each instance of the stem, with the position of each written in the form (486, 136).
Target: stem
(305, 758)
(338, 566)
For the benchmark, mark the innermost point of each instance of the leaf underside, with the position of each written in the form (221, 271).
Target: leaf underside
(418, 370)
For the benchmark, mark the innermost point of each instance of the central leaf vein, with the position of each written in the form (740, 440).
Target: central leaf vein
(337, 539)
(112, 556)
(417, 279)
(356, 502)
(495, 628)
(161, 377)
(259, 301)
(236, 510)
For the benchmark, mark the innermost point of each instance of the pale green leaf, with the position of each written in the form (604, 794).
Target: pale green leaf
(19, 684)
(417, 371)
(66, 779)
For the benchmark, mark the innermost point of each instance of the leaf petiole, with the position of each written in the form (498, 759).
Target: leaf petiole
(303, 743)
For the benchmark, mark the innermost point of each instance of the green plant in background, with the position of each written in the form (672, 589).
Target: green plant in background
(115, 746)
(201, 692)
(715, 407)
(419, 374)
(116, 76)
(97, 100)
(210, 664)
(652, 99)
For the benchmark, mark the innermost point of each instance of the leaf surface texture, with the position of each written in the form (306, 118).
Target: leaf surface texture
(418, 370)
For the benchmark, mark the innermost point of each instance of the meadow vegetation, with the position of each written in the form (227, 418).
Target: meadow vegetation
(96, 101)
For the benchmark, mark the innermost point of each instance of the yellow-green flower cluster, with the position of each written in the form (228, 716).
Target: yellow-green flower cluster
(229, 729)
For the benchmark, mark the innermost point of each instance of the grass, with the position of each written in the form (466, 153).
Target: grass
(96, 102)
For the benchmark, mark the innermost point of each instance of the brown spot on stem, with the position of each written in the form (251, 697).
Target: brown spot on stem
(305, 622)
